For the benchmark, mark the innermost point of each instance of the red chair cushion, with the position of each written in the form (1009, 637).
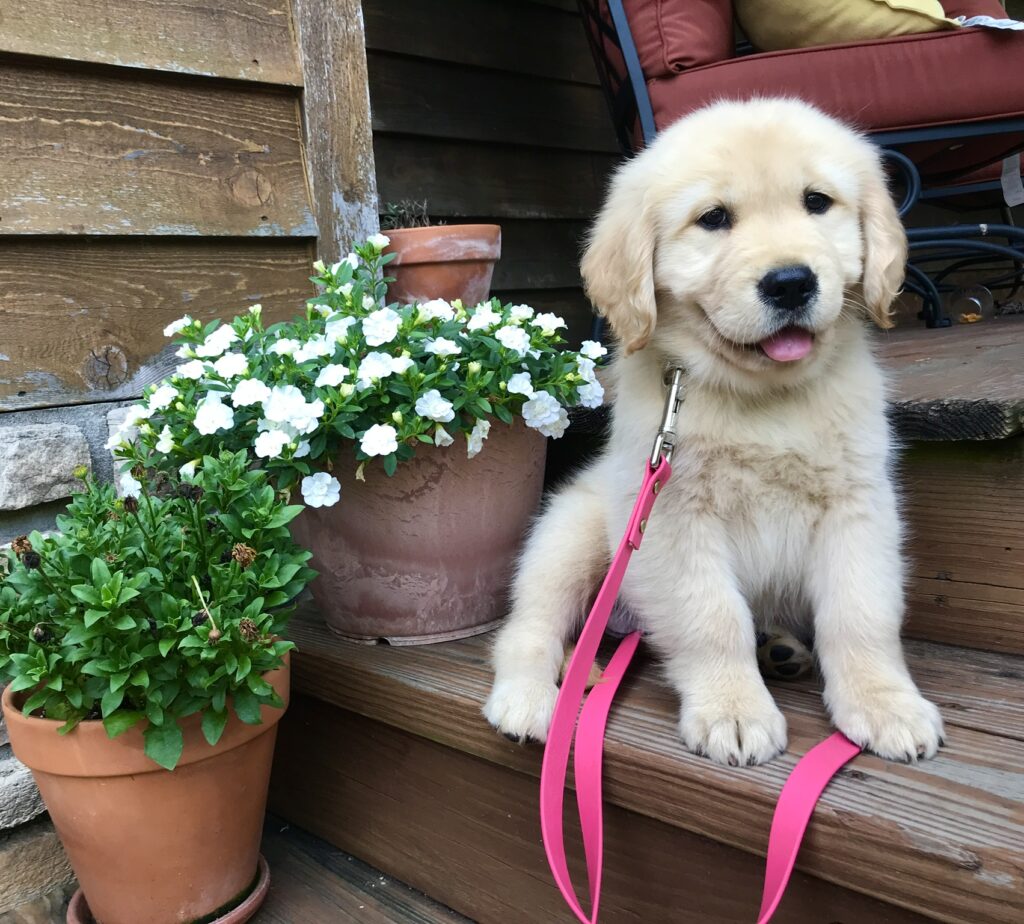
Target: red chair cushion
(671, 36)
(914, 81)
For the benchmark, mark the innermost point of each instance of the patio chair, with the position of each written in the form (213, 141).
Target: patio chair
(946, 107)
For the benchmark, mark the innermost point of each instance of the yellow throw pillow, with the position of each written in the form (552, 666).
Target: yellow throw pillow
(774, 25)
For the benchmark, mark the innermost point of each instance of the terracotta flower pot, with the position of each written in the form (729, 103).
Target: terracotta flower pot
(425, 555)
(447, 261)
(148, 845)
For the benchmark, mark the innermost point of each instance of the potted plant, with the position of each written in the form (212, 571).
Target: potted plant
(450, 401)
(434, 260)
(145, 637)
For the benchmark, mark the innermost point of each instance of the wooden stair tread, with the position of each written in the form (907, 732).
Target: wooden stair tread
(312, 883)
(951, 830)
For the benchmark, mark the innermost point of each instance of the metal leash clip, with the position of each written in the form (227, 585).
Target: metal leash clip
(665, 441)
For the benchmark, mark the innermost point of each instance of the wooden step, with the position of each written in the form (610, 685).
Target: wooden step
(385, 754)
(311, 882)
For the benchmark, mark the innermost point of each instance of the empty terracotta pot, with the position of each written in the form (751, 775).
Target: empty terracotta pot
(426, 555)
(149, 845)
(447, 261)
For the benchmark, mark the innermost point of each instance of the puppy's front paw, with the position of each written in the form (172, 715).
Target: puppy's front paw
(521, 709)
(734, 730)
(896, 723)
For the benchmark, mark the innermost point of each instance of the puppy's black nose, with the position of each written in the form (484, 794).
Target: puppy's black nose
(788, 287)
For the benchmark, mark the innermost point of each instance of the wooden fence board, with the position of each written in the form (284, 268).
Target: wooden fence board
(241, 39)
(97, 154)
(83, 320)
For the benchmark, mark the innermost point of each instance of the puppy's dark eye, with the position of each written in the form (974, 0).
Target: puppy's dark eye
(715, 219)
(817, 203)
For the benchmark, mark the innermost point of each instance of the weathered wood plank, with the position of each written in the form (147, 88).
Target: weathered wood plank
(240, 39)
(964, 504)
(336, 106)
(539, 255)
(471, 178)
(965, 382)
(950, 828)
(82, 320)
(476, 845)
(314, 883)
(524, 38)
(98, 154)
(422, 97)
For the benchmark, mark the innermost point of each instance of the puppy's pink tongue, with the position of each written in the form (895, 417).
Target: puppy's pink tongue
(788, 345)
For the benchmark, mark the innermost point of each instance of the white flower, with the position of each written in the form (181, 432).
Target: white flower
(436, 308)
(592, 349)
(557, 427)
(188, 470)
(162, 397)
(483, 317)
(586, 367)
(345, 288)
(271, 443)
(312, 348)
(321, 490)
(287, 405)
(520, 384)
(286, 346)
(368, 302)
(331, 375)
(256, 309)
(520, 312)
(401, 364)
(374, 366)
(249, 391)
(379, 440)
(549, 323)
(135, 415)
(231, 365)
(166, 442)
(431, 405)
(217, 342)
(591, 394)
(514, 338)
(318, 265)
(184, 352)
(381, 326)
(378, 241)
(130, 486)
(352, 260)
(541, 410)
(301, 450)
(442, 346)
(191, 370)
(212, 414)
(442, 437)
(337, 329)
(475, 440)
(176, 327)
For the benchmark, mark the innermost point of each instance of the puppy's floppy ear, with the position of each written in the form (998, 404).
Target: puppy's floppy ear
(618, 265)
(885, 245)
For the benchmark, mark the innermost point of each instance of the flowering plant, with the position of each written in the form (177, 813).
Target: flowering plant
(162, 605)
(387, 378)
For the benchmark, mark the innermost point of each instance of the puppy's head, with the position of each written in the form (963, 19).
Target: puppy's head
(743, 239)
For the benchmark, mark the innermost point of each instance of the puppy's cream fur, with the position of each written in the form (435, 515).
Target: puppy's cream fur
(781, 508)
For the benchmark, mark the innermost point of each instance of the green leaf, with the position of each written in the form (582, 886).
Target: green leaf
(154, 712)
(35, 701)
(111, 701)
(247, 707)
(77, 635)
(285, 515)
(390, 464)
(164, 744)
(213, 724)
(24, 682)
(244, 666)
(118, 680)
(100, 572)
(120, 722)
(258, 685)
(503, 413)
(124, 623)
(94, 616)
(140, 678)
(165, 645)
(87, 594)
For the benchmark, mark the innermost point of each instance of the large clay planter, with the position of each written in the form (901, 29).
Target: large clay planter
(425, 555)
(150, 846)
(447, 261)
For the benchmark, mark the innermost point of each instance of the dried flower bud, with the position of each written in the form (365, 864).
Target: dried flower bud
(31, 560)
(248, 630)
(225, 556)
(138, 471)
(151, 622)
(190, 492)
(110, 558)
(113, 516)
(81, 472)
(214, 636)
(211, 524)
(244, 554)
(131, 504)
(199, 618)
(21, 545)
(41, 634)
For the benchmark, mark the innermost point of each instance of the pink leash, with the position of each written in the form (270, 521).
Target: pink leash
(796, 802)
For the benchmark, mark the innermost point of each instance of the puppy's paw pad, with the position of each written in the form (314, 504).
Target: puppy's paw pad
(521, 709)
(895, 724)
(739, 736)
(783, 656)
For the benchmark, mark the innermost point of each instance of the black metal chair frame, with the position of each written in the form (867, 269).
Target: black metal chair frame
(965, 244)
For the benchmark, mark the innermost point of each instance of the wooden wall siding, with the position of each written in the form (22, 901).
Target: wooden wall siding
(92, 153)
(490, 111)
(241, 39)
(83, 320)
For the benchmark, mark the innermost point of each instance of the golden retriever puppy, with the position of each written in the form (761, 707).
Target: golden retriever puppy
(748, 244)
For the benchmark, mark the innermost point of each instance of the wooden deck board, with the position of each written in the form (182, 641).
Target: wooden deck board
(951, 829)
